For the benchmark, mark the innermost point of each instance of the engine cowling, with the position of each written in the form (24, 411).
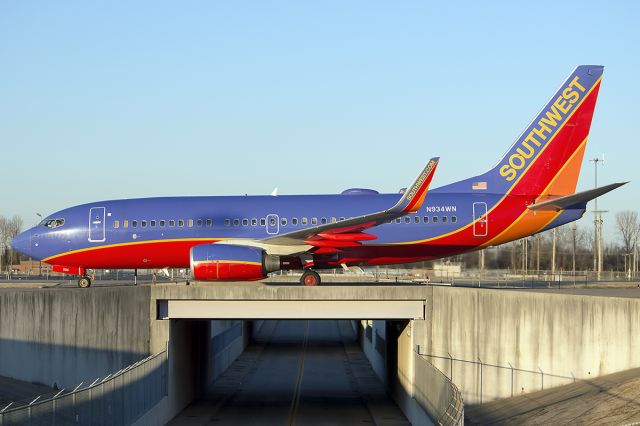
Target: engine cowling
(226, 262)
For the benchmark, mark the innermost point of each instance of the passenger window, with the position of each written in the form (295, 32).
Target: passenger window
(294, 221)
(172, 223)
(407, 219)
(272, 221)
(245, 222)
(426, 219)
(341, 219)
(209, 223)
(398, 220)
(444, 219)
(324, 220)
(254, 222)
(263, 221)
(116, 224)
(435, 219)
(454, 219)
(134, 223)
(190, 223)
(162, 223)
(143, 224)
(314, 220)
(227, 222)
(334, 220)
(236, 222)
(283, 221)
(153, 223)
(125, 223)
(304, 221)
(416, 219)
(199, 222)
(181, 222)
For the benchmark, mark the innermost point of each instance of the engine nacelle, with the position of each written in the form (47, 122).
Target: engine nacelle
(226, 262)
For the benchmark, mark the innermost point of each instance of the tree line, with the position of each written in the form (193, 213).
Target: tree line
(9, 228)
(571, 242)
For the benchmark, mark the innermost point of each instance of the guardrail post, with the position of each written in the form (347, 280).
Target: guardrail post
(480, 379)
(542, 375)
(511, 366)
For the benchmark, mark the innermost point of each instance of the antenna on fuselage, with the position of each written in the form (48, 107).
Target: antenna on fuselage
(274, 193)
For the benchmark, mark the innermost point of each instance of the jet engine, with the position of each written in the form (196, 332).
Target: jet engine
(226, 262)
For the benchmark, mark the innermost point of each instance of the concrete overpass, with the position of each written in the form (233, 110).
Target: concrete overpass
(492, 343)
(292, 302)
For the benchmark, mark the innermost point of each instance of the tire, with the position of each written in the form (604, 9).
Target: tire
(310, 278)
(84, 282)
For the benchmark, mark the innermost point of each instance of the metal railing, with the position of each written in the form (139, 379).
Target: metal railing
(515, 380)
(119, 398)
(437, 394)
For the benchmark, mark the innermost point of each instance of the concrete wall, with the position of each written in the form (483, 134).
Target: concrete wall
(554, 337)
(388, 345)
(199, 351)
(66, 337)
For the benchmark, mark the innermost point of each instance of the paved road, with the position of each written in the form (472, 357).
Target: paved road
(297, 373)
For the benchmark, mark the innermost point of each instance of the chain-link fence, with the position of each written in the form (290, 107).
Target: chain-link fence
(119, 398)
(483, 381)
(437, 394)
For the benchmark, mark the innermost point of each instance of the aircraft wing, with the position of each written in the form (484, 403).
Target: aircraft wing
(578, 200)
(348, 232)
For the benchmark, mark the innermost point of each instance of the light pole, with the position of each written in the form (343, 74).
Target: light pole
(2, 245)
(574, 227)
(597, 255)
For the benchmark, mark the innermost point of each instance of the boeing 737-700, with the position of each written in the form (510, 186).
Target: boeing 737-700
(530, 190)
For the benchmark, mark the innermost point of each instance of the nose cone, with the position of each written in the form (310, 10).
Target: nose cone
(22, 243)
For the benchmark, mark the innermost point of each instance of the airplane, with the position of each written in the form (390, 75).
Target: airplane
(233, 238)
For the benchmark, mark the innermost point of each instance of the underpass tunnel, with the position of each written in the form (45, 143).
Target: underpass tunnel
(288, 371)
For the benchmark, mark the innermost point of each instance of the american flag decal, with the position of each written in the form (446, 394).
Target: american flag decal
(479, 185)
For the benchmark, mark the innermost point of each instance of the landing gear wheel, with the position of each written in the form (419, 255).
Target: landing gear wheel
(84, 282)
(310, 278)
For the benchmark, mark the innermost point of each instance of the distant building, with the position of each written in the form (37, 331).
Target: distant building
(33, 268)
(447, 269)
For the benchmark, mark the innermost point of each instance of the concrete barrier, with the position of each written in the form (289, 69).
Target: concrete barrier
(499, 343)
(64, 337)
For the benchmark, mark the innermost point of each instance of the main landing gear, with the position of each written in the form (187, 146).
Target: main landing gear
(310, 278)
(84, 282)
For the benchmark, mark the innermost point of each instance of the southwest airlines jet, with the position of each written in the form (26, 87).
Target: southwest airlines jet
(531, 189)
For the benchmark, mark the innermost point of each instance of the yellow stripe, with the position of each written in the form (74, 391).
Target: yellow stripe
(551, 182)
(227, 261)
(514, 184)
(170, 240)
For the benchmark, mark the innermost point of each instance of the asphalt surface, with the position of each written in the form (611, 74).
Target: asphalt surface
(297, 373)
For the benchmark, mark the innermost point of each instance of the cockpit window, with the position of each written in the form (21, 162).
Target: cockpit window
(52, 223)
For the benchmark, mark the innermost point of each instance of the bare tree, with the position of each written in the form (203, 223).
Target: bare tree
(628, 227)
(9, 228)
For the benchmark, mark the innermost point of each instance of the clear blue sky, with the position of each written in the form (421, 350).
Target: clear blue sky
(102, 100)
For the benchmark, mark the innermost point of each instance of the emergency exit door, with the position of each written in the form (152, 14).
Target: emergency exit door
(480, 220)
(97, 224)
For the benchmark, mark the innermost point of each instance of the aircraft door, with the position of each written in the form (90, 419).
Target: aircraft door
(480, 220)
(273, 225)
(97, 224)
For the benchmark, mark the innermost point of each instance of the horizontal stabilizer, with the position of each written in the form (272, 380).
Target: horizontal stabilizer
(577, 200)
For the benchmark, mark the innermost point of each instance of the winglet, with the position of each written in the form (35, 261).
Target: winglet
(413, 197)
